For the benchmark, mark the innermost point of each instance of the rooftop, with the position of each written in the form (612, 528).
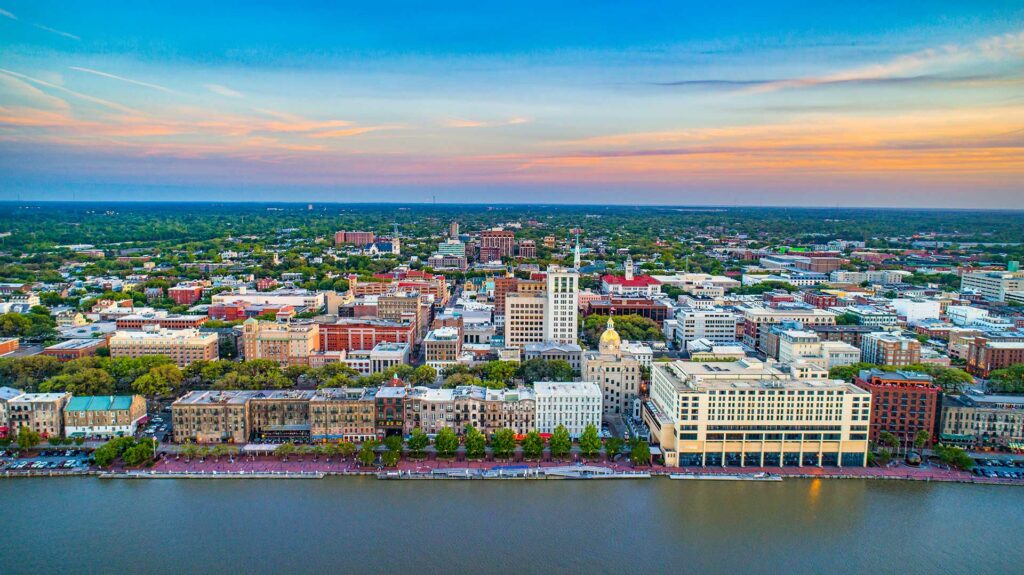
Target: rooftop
(100, 403)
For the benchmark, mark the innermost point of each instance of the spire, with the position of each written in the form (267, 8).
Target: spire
(576, 255)
(629, 268)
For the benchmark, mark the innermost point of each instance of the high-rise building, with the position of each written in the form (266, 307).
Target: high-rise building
(453, 230)
(525, 315)
(882, 348)
(992, 285)
(562, 322)
(503, 241)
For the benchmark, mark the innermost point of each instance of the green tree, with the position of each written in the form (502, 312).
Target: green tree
(367, 455)
(418, 442)
(27, 438)
(446, 442)
(613, 447)
(346, 449)
(423, 375)
(533, 445)
(503, 443)
(391, 458)
(560, 443)
(459, 379)
(640, 453)
(502, 371)
(590, 441)
(285, 450)
(476, 443)
(189, 450)
(921, 439)
(537, 369)
(394, 443)
(1007, 380)
(848, 372)
(139, 454)
(85, 381)
(159, 381)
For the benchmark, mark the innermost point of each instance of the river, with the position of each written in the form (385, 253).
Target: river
(363, 525)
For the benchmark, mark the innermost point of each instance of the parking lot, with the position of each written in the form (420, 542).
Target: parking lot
(45, 460)
(158, 427)
(999, 468)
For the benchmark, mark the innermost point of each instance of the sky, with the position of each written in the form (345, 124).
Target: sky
(902, 104)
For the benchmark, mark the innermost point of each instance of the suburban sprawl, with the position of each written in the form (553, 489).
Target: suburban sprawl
(286, 340)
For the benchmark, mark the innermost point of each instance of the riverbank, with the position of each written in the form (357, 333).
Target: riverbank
(273, 468)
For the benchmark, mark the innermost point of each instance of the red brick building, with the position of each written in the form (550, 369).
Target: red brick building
(821, 300)
(166, 321)
(75, 348)
(185, 295)
(503, 240)
(984, 355)
(356, 238)
(902, 403)
(362, 334)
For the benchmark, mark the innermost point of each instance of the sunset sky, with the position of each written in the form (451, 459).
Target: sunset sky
(765, 103)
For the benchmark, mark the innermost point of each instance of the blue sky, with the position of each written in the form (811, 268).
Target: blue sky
(807, 103)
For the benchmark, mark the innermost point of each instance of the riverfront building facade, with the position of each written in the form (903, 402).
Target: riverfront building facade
(727, 419)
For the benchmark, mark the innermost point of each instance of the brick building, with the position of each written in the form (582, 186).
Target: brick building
(902, 403)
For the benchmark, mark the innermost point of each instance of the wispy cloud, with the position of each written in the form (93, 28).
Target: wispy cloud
(123, 79)
(224, 91)
(79, 95)
(57, 32)
(7, 14)
(911, 66)
(462, 123)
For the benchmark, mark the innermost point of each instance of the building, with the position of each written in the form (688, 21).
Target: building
(689, 324)
(850, 334)
(758, 320)
(442, 347)
(9, 345)
(390, 408)
(6, 395)
(561, 323)
(43, 413)
(160, 319)
(103, 416)
(630, 284)
(183, 346)
(388, 354)
(903, 403)
(917, 310)
(343, 414)
(527, 249)
(821, 300)
(280, 414)
(799, 345)
(514, 409)
(185, 294)
(525, 315)
(352, 334)
(297, 298)
(210, 417)
(985, 355)
(618, 374)
(432, 410)
(657, 310)
(975, 418)
(75, 348)
(572, 404)
(502, 242)
(285, 343)
(869, 315)
(882, 348)
(355, 238)
(404, 306)
(708, 418)
(990, 285)
(551, 351)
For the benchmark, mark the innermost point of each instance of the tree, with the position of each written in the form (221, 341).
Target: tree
(285, 450)
(503, 443)
(86, 381)
(1007, 380)
(418, 442)
(27, 438)
(189, 450)
(346, 449)
(159, 381)
(459, 379)
(630, 327)
(848, 372)
(560, 444)
(502, 371)
(139, 454)
(476, 443)
(104, 455)
(423, 375)
(640, 453)
(394, 443)
(954, 456)
(950, 379)
(612, 447)
(538, 369)
(888, 440)
(296, 372)
(533, 445)
(446, 442)
(367, 455)
(590, 441)
(391, 458)
(921, 439)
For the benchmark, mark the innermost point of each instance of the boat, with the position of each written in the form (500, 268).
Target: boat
(762, 476)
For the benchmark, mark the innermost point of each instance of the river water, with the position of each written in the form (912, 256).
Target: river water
(363, 525)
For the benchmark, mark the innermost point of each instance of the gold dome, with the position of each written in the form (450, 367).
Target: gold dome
(610, 342)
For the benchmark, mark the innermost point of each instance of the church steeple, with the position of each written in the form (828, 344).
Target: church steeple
(576, 254)
(629, 268)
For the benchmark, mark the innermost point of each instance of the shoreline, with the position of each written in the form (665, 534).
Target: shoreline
(538, 474)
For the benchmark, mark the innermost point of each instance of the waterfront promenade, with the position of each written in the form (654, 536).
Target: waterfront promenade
(263, 465)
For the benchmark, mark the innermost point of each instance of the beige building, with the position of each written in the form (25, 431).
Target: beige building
(6, 395)
(343, 414)
(103, 415)
(883, 348)
(722, 418)
(514, 409)
(442, 347)
(616, 372)
(525, 314)
(757, 321)
(210, 417)
(403, 306)
(40, 412)
(279, 414)
(285, 343)
(183, 346)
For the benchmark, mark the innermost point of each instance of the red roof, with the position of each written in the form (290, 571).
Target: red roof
(637, 281)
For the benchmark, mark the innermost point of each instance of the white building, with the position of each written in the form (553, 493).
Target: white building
(992, 285)
(716, 325)
(917, 309)
(965, 315)
(562, 319)
(572, 404)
